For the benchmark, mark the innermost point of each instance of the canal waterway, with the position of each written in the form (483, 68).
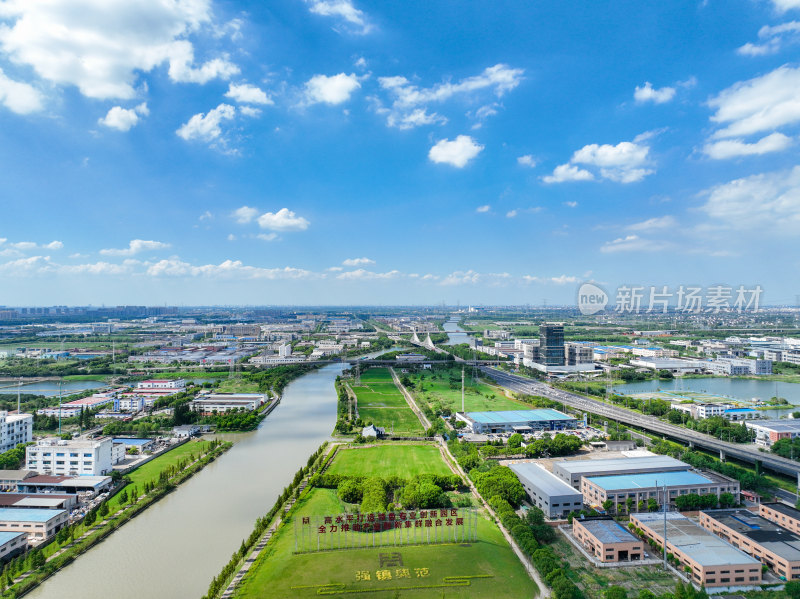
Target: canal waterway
(49, 388)
(745, 390)
(455, 334)
(176, 546)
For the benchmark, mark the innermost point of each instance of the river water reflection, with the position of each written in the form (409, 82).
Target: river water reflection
(176, 546)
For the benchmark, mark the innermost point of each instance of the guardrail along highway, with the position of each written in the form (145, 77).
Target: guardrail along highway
(745, 453)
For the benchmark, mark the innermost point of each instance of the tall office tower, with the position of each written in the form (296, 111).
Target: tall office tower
(551, 344)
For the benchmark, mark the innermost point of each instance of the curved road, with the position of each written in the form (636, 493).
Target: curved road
(745, 453)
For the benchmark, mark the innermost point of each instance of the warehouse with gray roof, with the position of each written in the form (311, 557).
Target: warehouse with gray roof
(546, 491)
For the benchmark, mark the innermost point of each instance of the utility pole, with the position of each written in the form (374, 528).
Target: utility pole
(665, 499)
(462, 389)
(59, 406)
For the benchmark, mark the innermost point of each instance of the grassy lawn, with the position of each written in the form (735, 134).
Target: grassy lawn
(237, 385)
(394, 420)
(435, 387)
(594, 581)
(380, 402)
(281, 573)
(404, 461)
(149, 472)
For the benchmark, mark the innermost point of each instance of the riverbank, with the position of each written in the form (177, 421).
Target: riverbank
(165, 551)
(153, 480)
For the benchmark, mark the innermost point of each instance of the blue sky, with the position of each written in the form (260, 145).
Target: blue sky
(353, 152)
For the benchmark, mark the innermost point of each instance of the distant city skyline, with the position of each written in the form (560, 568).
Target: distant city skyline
(342, 152)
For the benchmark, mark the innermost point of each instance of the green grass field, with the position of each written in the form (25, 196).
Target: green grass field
(380, 402)
(404, 461)
(147, 473)
(237, 385)
(486, 568)
(434, 386)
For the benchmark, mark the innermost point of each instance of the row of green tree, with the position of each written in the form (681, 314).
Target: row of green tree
(218, 582)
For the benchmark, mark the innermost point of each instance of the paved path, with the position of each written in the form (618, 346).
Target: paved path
(230, 590)
(426, 424)
(544, 590)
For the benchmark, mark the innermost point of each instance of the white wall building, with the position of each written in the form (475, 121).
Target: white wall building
(162, 384)
(15, 429)
(86, 457)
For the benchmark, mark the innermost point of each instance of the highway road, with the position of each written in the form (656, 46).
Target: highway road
(745, 453)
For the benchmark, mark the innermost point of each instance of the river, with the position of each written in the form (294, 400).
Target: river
(175, 547)
(734, 388)
(49, 388)
(455, 334)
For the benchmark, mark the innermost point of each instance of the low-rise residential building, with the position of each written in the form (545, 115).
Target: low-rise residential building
(643, 487)
(15, 429)
(38, 525)
(764, 540)
(546, 491)
(607, 540)
(711, 561)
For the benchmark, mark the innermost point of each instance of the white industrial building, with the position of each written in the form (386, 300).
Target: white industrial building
(76, 457)
(15, 429)
(218, 403)
(176, 384)
(546, 491)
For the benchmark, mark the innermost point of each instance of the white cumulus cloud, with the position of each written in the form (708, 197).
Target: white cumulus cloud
(245, 93)
(408, 98)
(342, 10)
(483, 209)
(206, 127)
(103, 47)
(647, 93)
(358, 262)
(624, 163)
(19, 97)
(733, 148)
(245, 214)
(568, 172)
(527, 160)
(773, 39)
(123, 119)
(334, 89)
(457, 152)
(282, 220)
(136, 246)
(760, 104)
(769, 201)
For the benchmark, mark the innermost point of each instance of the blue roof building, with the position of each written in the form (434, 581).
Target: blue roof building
(643, 487)
(521, 421)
